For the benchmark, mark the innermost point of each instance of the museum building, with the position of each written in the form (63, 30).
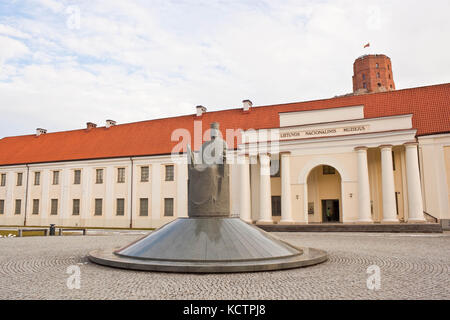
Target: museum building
(378, 155)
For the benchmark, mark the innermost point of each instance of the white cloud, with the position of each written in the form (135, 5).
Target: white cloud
(131, 60)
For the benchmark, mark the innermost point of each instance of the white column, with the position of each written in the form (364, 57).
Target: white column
(413, 183)
(388, 186)
(286, 206)
(182, 189)
(364, 212)
(265, 196)
(244, 189)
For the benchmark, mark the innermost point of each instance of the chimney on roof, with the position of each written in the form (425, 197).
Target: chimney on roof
(110, 123)
(90, 125)
(40, 131)
(200, 110)
(247, 104)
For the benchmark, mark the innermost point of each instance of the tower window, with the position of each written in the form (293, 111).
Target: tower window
(377, 65)
(364, 85)
(379, 84)
(364, 76)
(378, 75)
(389, 75)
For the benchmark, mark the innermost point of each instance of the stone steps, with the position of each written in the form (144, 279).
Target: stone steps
(388, 228)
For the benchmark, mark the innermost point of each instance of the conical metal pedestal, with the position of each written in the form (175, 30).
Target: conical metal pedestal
(209, 245)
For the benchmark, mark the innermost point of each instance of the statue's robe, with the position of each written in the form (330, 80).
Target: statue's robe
(208, 186)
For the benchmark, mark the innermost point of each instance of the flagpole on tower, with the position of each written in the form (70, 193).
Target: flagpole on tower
(367, 48)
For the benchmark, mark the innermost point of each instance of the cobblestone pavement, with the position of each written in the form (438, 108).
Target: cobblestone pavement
(412, 267)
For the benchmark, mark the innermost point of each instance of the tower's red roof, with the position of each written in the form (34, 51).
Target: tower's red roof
(430, 107)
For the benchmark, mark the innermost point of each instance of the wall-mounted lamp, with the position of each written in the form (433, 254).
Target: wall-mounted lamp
(351, 195)
(297, 197)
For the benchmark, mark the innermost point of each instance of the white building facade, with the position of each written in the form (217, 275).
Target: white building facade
(318, 166)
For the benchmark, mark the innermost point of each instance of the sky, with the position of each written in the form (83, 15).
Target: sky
(65, 63)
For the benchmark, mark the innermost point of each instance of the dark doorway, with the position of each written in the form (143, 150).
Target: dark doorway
(330, 211)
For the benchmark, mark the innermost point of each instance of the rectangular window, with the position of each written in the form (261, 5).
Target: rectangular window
(35, 206)
(99, 176)
(77, 177)
(168, 207)
(19, 178)
(55, 177)
(76, 207)
(121, 175)
(54, 207)
(143, 207)
(120, 209)
(3, 180)
(276, 206)
(328, 170)
(98, 207)
(144, 174)
(2, 206)
(18, 207)
(37, 178)
(169, 173)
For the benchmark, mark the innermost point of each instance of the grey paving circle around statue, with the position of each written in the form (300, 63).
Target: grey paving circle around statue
(412, 267)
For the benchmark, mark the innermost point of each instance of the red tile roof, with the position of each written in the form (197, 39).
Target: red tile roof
(430, 107)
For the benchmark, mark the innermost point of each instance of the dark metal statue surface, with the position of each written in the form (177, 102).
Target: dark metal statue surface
(208, 184)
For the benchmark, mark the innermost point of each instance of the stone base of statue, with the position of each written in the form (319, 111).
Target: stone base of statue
(209, 245)
(209, 241)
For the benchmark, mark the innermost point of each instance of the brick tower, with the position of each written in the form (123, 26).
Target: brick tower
(372, 73)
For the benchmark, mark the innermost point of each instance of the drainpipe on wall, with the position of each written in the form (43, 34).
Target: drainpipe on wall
(26, 195)
(131, 195)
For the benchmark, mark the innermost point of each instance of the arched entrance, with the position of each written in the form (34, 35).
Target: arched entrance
(324, 190)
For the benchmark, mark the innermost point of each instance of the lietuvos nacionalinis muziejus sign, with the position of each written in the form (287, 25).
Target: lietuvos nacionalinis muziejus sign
(297, 133)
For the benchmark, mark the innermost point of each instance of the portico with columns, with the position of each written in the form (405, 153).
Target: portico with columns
(350, 170)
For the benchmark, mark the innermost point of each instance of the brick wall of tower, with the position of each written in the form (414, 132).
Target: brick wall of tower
(373, 73)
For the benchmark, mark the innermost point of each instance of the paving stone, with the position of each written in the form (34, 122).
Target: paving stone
(413, 266)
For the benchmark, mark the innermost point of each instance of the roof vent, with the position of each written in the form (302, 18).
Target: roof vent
(40, 131)
(247, 104)
(90, 125)
(110, 123)
(200, 110)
